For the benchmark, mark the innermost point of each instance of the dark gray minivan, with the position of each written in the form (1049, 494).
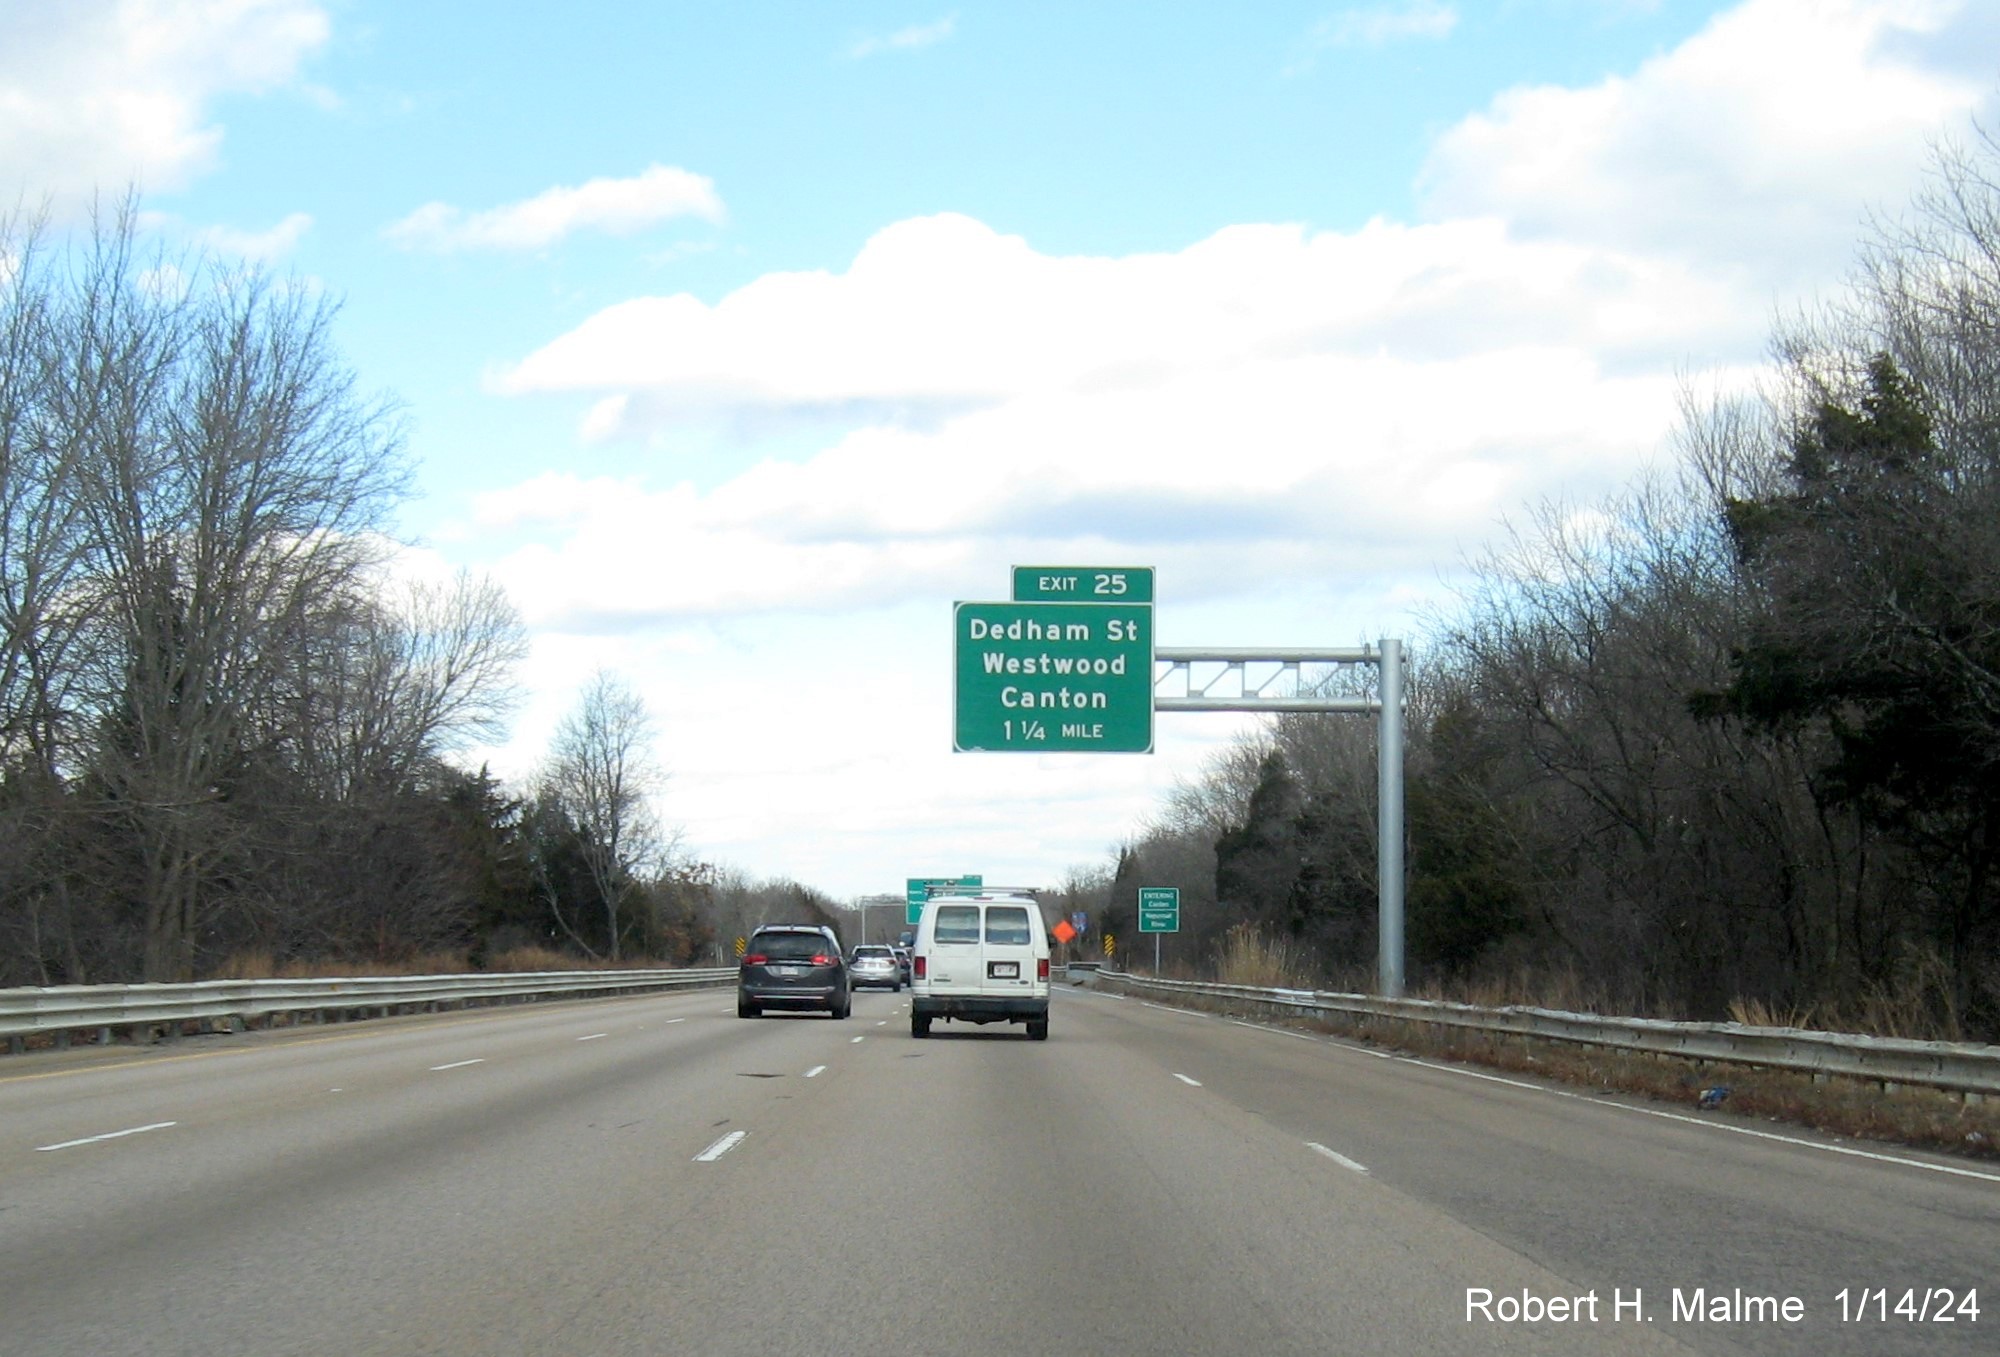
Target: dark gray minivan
(793, 966)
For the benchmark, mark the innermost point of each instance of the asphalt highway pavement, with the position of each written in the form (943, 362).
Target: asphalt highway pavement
(655, 1175)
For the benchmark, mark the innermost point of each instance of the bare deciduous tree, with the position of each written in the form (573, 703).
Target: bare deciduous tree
(601, 773)
(231, 477)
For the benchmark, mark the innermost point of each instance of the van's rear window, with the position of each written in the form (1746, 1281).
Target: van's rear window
(1007, 924)
(957, 923)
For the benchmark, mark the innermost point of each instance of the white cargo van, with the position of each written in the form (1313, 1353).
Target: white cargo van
(981, 957)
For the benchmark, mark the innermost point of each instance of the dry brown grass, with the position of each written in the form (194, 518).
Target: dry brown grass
(259, 965)
(256, 965)
(1249, 957)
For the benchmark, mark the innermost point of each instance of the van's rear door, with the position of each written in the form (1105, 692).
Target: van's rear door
(1007, 958)
(957, 950)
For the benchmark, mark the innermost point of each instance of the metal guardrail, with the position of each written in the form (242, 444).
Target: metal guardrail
(1962, 1067)
(79, 1008)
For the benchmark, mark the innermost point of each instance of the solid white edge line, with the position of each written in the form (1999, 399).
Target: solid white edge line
(720, 1147)
(1704, 1122)
(1191, 1083)
(1336, 1156)
(459, 1064)
(1875, 1155)
(1274, 1031)
(108, 1135)
(815, 1071)
(594, 1036)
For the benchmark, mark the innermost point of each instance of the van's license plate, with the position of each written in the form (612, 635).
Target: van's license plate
(1004, 970)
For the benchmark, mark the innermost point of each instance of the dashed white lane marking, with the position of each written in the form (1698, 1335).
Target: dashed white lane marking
(721, 1147)
(671, 1021)
(594, 1036)
(1191, 1083)
(815, 1071)
(883, 1023)
(108, 1135)
(856, 1041)
(459, 1064)
(1336, 1156)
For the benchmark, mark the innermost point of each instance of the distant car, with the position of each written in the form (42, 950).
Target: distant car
(793, 966)
(903, 961)
(875, 964)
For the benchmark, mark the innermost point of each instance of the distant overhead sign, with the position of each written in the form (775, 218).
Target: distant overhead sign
(917, 889)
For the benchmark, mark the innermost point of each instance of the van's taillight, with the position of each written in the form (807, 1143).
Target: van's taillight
(1041, 968)
(918, 969)
(755, 959)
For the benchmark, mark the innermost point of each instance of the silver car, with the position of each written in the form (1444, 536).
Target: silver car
(875, 965)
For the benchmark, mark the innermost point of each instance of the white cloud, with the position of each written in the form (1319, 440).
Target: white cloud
(910, 39)
(1267, 395)
(98, 94)
(944, 314)
(1386, 23)
(1758, 144)
(258, 246)
(618, 206)
(1376, 26)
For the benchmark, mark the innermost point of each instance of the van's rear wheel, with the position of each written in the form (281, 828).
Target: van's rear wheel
(1038, 1029)
(919, 1027)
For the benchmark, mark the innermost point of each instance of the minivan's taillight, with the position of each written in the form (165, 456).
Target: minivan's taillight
(755, 959)
(1041, 968)
(918, 969)
(822, 959)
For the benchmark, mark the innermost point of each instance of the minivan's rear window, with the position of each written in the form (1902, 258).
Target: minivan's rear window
(1007, 924)
(791, 946)
(957, 923)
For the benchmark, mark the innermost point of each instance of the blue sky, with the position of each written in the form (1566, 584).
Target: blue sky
(739, 341)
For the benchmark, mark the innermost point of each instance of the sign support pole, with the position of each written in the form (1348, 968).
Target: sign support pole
(1387, 657)
(1389, 818)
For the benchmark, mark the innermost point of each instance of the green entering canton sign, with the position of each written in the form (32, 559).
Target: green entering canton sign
(1159, 909)
(1050, 678)
(1083, 584)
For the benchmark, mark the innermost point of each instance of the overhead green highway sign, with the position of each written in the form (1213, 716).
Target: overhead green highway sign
(1050, 678)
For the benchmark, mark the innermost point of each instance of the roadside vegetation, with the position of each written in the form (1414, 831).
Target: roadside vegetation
(1729, 741)
(231, 734)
